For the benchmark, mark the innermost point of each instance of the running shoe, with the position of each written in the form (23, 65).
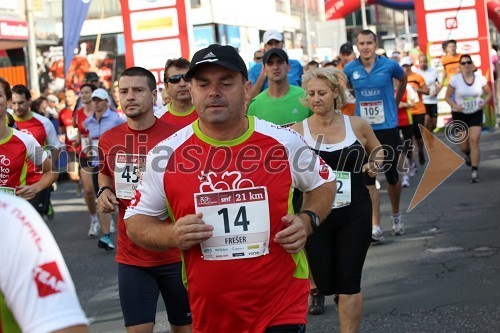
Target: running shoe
(413, 169)
(406, 181)
(377, 184)
(467, 160)
(112, 226)
(474, 178)
(377, 234)
(106, 243)
(54, 186)
(317, 304)
(398, 227)
(50, 212)
(94, 228)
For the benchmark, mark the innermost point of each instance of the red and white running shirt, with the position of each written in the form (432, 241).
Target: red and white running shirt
(241, 281)
(15, 151)
(124, 152)
(44, 132)
(177, 118)
(36, 290)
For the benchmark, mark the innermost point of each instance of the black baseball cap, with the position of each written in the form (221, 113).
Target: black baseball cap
(222, 55)
(91, 76)
(346, 48)
(277, 52)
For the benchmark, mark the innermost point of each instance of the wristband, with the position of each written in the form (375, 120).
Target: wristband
(102, 189)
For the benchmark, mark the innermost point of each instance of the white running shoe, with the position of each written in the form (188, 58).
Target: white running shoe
(406, 181)
(413, 169)
(94, 228)
(377, 184)
(398, 227)
(112, 226)
(377, 234)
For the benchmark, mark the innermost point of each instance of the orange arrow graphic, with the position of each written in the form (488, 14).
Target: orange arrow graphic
(443, 162)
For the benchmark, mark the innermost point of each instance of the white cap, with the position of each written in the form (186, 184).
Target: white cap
(272, 34)
(100, 93)
(406, 61)
(52, 98)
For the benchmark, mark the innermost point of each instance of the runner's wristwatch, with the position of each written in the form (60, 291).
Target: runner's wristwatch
(102, 189)
(315, 221)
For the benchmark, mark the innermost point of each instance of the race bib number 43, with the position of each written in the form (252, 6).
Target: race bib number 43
(128, 168)
(372, 112)
(241, 223)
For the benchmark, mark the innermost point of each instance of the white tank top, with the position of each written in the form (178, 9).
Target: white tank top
(350, 137)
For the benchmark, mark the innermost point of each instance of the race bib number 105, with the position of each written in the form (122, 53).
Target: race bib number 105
(372, 111)
(241, 223)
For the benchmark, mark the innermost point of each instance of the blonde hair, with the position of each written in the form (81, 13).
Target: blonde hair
(336, 81)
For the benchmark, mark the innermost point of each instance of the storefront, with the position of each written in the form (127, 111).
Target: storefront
(13, 39)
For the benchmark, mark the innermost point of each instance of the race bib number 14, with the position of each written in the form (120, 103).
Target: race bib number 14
(241, 223)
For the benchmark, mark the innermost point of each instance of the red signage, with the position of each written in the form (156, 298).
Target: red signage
(13, 30)
(154, 32)
(465, 21)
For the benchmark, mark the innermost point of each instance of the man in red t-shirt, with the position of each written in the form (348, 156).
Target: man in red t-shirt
(42, 129)
(180, 110)
(226, 183)
(142, 273)
(68, 134)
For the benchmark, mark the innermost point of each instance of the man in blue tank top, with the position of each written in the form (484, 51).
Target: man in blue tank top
(371, 78)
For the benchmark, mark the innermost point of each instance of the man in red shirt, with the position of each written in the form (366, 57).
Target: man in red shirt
(68, 134)
(142, 273)
(44, 132)
(180, 110)
(226, 183)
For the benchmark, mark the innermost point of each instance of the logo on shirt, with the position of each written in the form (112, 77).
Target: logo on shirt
(370, 92)
(356, 75)
(48, 279)
(233, 180)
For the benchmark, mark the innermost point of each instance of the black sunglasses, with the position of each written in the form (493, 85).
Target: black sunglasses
(259, 58)
(177, 78)
(466, 63)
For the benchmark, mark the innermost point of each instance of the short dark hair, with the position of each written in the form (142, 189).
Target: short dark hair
(6, 88)
(446, 42)
(140, 71)
(313, 63)
(20, 89)
(35, 105)
(176, 62)
(90, 85)
(367, 32)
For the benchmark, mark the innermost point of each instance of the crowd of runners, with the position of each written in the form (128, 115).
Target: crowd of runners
(243, 197)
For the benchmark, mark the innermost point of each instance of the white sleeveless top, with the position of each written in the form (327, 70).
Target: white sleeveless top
(349, 139)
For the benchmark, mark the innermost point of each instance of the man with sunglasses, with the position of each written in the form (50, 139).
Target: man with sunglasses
(101, 120)
(180, 110)
(257, 74)
(142, 274)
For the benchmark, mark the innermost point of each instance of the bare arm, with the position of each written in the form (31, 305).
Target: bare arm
(154, 234)
(259, 84)
(49, 176)
(449, 92)
(107, 201)
(298, 227)
(487, 96)
(401, 88)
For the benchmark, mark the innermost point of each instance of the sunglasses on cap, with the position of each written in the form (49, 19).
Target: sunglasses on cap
(177, 78)
(466, 62)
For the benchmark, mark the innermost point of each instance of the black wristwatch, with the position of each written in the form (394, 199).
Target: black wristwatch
(102, 189)
(315, 221)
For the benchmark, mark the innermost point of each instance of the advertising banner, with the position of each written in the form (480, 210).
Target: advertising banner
(155, 31)
(465, 21)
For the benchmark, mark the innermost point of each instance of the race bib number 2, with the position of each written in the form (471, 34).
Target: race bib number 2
(241, 223)
(372, 112)
(343, 194)
(128, 168)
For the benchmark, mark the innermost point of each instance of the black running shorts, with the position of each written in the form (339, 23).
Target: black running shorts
(390, 140)
(431, 110)
(470, 119)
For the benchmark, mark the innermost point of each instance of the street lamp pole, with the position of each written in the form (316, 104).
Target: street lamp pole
(33, 70)
(363, 14)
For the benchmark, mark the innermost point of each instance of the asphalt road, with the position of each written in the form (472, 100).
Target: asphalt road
(443, 275)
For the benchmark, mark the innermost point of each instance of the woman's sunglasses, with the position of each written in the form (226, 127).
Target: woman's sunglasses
(466, 63)
(177, 78)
